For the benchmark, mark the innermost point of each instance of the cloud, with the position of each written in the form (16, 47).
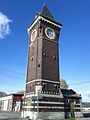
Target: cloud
(4, 25)
(86, 95)
(85, 98)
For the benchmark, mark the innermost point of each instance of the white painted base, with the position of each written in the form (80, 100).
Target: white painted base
(43, 115)
(78, 114)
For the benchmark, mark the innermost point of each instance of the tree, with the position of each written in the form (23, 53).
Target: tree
(63, 84)
(20, 92)
(3, 94)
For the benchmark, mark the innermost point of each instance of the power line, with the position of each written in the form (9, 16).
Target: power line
(79, 83)
(22, 74)
(11, 73)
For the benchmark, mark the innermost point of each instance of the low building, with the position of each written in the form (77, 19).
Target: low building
(11, 102)
(72, 103)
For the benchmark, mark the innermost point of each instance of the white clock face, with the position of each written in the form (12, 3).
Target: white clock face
(33, 35)
(50, 33)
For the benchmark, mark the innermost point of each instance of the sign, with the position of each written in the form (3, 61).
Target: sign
(37, 97)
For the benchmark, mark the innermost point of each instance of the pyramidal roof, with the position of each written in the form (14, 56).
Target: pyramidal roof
(46, 13)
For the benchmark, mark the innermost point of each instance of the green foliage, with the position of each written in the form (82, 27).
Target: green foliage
(2, 94)
(63, 84)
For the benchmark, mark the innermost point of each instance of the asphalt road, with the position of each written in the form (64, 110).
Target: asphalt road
(10, 115)
(16, 116)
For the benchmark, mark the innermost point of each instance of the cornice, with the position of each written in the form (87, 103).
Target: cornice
(44, 19)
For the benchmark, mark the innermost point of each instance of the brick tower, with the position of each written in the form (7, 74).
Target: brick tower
(43, 97)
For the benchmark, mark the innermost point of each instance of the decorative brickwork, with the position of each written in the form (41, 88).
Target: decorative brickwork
(43, 97)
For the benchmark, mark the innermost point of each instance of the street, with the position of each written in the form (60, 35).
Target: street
(10, 116)
(16, 116)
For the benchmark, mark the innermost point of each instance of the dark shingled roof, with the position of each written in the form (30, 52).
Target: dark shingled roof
(67, 92)
(46, 13)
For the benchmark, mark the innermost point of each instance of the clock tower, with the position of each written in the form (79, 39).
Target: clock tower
(43, 97)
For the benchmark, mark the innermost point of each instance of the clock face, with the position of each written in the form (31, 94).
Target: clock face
(33, 35)
(50, 33)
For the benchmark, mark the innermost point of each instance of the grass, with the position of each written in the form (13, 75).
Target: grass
(70, 119)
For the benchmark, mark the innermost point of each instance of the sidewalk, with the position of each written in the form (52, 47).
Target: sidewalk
(82, 118)
(9, 115)
(16, 116)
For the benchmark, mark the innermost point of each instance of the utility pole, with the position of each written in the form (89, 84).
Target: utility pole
(37, 103)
